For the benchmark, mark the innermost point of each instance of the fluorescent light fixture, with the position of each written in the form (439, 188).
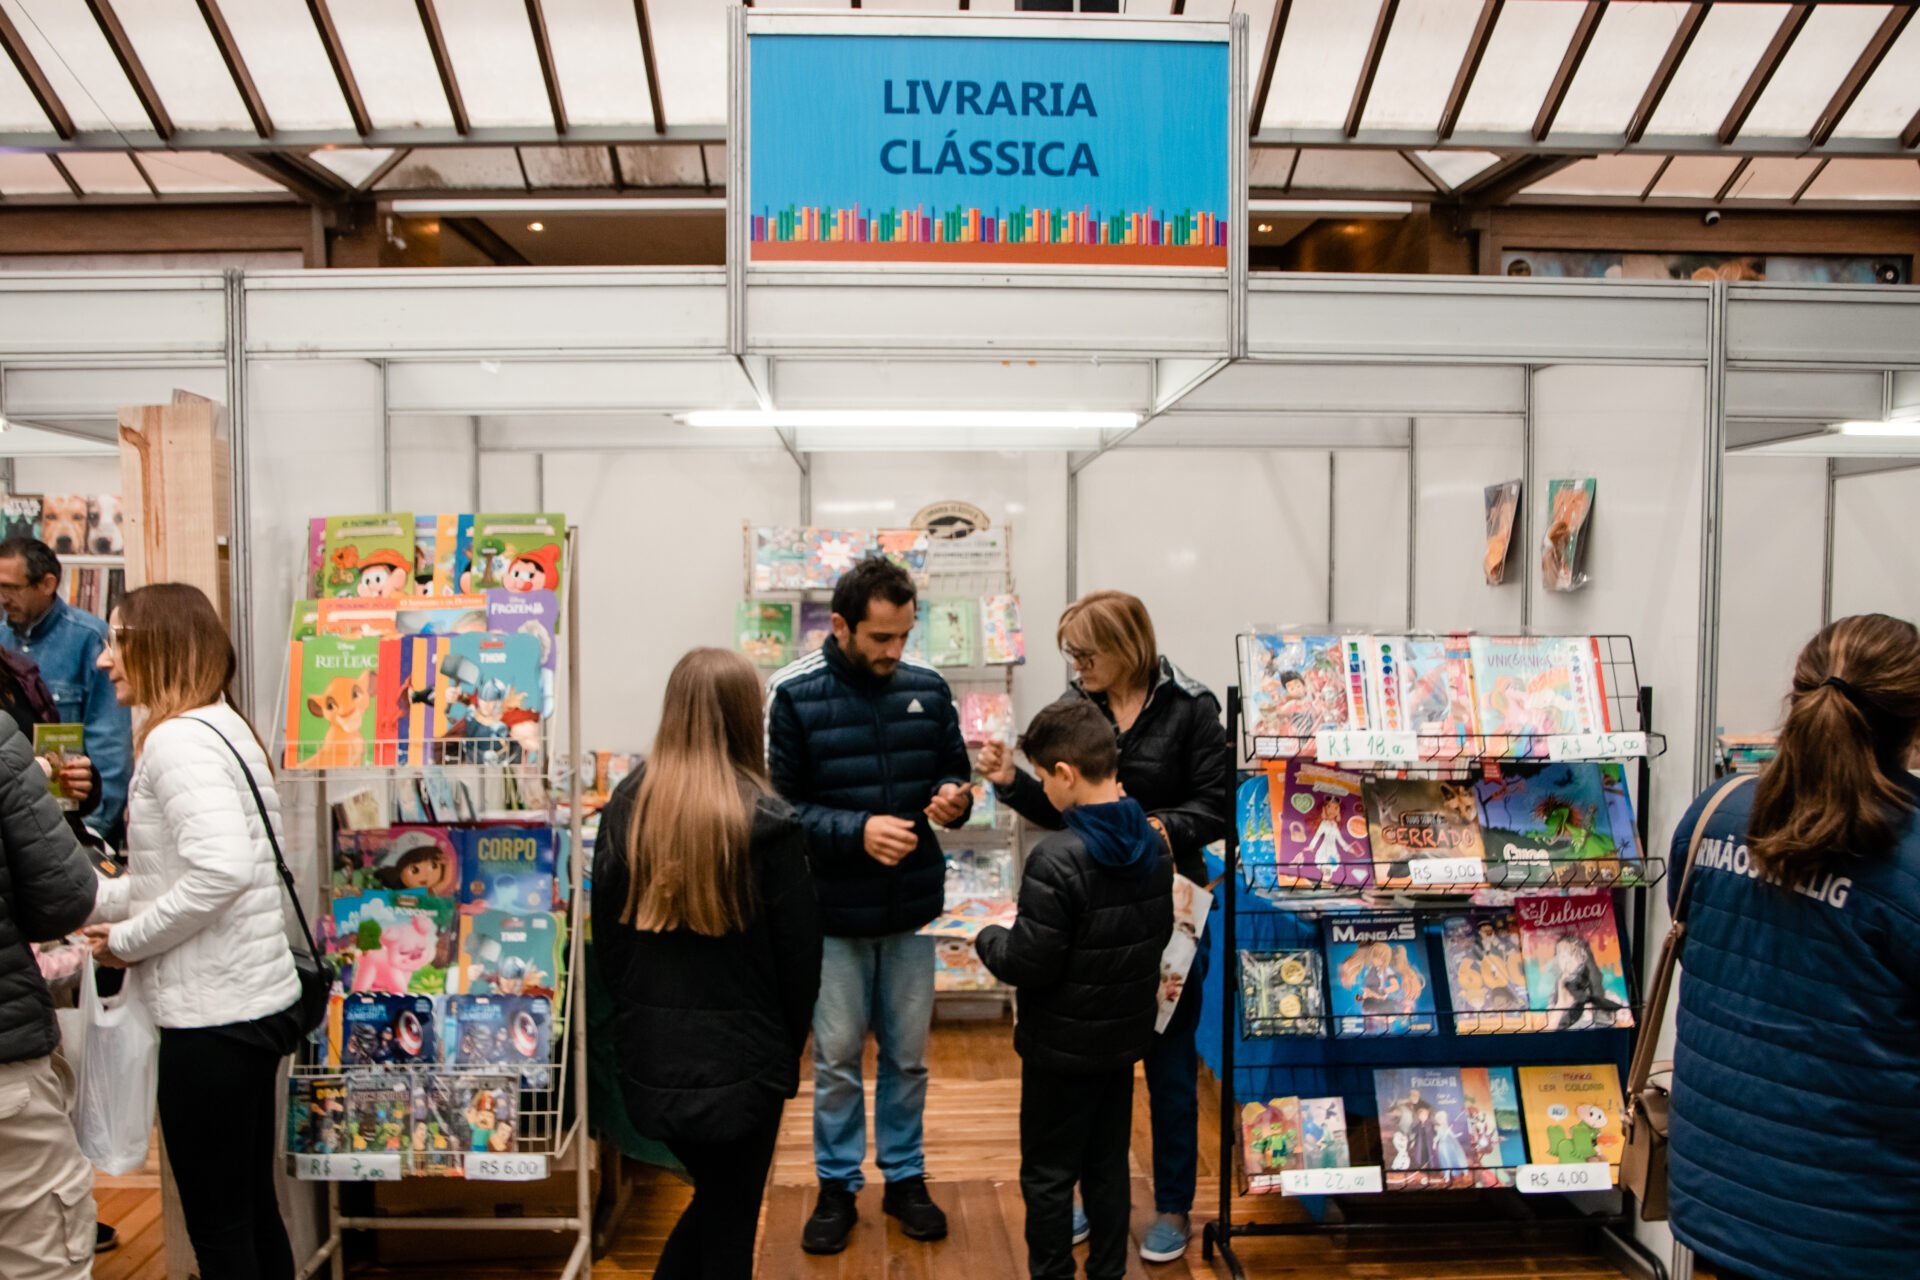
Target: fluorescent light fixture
(913, 419)
(1894, 438)
(1897, 429)
(1354, 208)
(540, 204)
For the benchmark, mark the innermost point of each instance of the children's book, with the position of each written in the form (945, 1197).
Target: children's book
(535, 614)
(916, 649)
(1546, 825)
(410, 721)
(1423, 1128)
(316, 1115)
(518, 551)
(436, 1149)
(357, 616)
(1535, 686)
(985, 811)
(488, 688)
(950, 630)
(1377, 975)
(20, 516)
(409, 859)
(765, 630)
(379, 1112)
(1436, 690)
(57, 742)
(980, 874)
(440, 615)
(812, 628)
(1323, 1134)
(829, 553)
(440, 553)
(966, 918)
(1258, 849)
(1296, 686)
(986, 717)
(1383, 659)
(394, 943)
(1496, 1144)
(1574, 1115)
(369, 555)
(957, 967)
(1486, 974)
(906, 548)
(1282, 993)
(1002, 642)
(317, 556)
(1503, 505)
(486, 1113)
(305, 622)
(514, 1031)
(1576, 977)
(1320, 826)
(502, 954)
(506, 868)
(330, 687)
(1563, 550)
(378, 1029)
(1414, 820)
(779, 559)
(1621, 824)
(1270, 1142)
(1191, 903)
(1355, 658)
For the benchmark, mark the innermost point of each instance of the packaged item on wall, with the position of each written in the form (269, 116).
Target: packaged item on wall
(379, 1112)
(1003, 643)
(1503, 508)
(1270, 1142)
(1546, 825)
(506, 868)
(1323, 1134)
(393, 943)
(368, 556)
(1320, 826)
(435, 1150)
(518, 551)
(1377, 975)
(1576, 977)
(1381, 660)
(502, 954)
(1436, 689)
(986, 717)
(316, 1115)
(1486, 972)
(1295, 686)
(329, 695)
(1416, 820)
(489, 691)
(1574, 1115)
(375, 1030)
(765, 631)
(1534, 686)
(815, 624)
(1562, 553)
(487, 1110)
(1282, 993)
(950, 630)
(514, 1031)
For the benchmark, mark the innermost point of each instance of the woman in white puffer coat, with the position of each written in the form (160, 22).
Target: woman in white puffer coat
(199, 916)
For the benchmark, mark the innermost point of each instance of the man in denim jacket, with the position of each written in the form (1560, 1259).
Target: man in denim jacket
(65, 642)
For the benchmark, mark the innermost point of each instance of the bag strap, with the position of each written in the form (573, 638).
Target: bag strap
(1655, 1014)
(279, 859)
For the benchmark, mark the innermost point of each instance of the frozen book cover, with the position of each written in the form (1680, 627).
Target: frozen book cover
(486, 1113)
(1377, 975)
(1574, 1115)
(1270, 1141)
(1537, 686)
(330, 687)
(830, 553)
(502, 954)
(379, 1112)
(370, 555)
(815, 624)
(779, 559)
(392, 943)
(506, 868)
(515, 1031)
(1418, 819)
(1436, 690)
(435, 1150)
(764, 631)
(1282, 993)
(1576, 977)
(1323, 1134)
(535, 614)
(517, 551)
(986, 717)
(316, 1115)
(1423, 1128)
(488, 690)
(1546, 825)
(1295, 686)
(1320, 826)
(1002, 641)
(375, 1030)
(1496, 1143)
(1486, 972)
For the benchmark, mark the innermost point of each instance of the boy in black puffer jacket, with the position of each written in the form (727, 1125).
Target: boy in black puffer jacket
(1096, 910)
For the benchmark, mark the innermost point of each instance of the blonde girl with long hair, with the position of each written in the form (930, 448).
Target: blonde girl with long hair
(708, 937)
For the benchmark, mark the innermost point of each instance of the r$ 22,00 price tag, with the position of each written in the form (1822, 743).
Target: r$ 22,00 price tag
(486, 1167)
(347, 1168)
(1555, 1179)
(1362, 1180)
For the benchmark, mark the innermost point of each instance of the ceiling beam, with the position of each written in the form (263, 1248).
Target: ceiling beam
(37, 82)
(1863, 68)
(1425, 170)
(342, 69)
(543, 47)
(385, 167)
(1514, 174)
(652, 63)
(1469, 66)
(66, 176)
(1654, 181)
(144, 175)
(1776, 53)
(237, 67)
(1569, 68)
(486, 240)
(1733, 179)
(309, 184)
(1811, 179)
(130, 66)
(1265, 83)
(1690, 20)
(1382, 27)
(1910, 136)
(443, 63)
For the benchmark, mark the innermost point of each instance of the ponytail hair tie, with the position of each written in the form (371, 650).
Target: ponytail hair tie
(1876, 715)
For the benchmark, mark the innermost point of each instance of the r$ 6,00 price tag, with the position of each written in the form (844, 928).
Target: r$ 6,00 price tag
(1553, 1179)
(483, 1167)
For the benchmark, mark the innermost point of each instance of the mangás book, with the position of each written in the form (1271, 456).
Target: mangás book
(393, 943)
(518, 551)
(1323, 1134)
(514, 1031)
(950, 629)
(486, 1112)
(414, 859)
(1423, 1128)
(1003, 643)
(502, 954)
(1536, 686)
(1415, 819)
(1320, 826)
(1574, 1115)
(379, 1112)
(1270, 1142)
(369, 555)
(1377, 975)
(1576, 977)
(1436, 690)
(535, 614)
(1486, 972)
(378, 1029)
(1282, 993)
(1546, 826)
(488, 688)
(330, 688)
(1496, 1144)
(1295, 686)
(765, 632)
(437, 1148)
(316, 1115)
(507, 868)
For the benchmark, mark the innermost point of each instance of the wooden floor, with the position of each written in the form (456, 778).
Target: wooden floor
(973, 1161)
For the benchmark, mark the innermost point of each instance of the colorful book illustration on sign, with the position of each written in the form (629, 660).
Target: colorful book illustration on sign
(393, 943)
(379, 1112)
(316, 1115)
(408, 859)
(329, 703)
(1546, 826)
(535, 614)
(488, 691)
(514, 1031)
(986, 717)
(435, 1150)
(1377, 976)
(410, 719)
(378, 1029)
(1436, 690)
(1270, 1142)
(1621, 824)
(1297, 686)
(1574, 1115)
(1414, 820)
(369, 555)
(1320, 826)
(1576, 977)
(950, 631)
(507, 868)
(487, 1113)
(1486, 972)
(502, 954)
(1536, 686)
(1003, 643)
(518, 551)
(1282, 993)
(765, 631)
(353, 617)
(780, 559)
(812, 628)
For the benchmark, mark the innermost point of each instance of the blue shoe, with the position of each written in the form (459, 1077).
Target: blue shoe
(1080, 1228)
(1165, 1242)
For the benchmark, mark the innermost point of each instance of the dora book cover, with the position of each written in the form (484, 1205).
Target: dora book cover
(1546, 825)
(330, 690)
(1574, 1115)
(517, 551)
(412, 859)
(1296, 686)
(1418, 819)
(1320, 825)
(1575, 975)
(1377, 975)
(369, 556)
(1270, 1142)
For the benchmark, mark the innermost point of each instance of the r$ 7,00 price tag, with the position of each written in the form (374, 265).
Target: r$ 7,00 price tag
(347, 1168)
(1552, 1179)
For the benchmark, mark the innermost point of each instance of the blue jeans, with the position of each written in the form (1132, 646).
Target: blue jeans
(886, 985)
(1173, 1098)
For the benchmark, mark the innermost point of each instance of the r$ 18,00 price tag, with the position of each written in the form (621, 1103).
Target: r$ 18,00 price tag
(1363, 1180)
(347, 1168)
(1555, 1179)
(1361, 745)
(486, 1167)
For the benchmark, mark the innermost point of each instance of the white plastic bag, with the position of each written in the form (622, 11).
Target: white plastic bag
(113, 1116)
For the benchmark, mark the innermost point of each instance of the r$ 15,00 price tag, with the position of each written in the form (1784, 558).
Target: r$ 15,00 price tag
(485, 1167)
(1596, 746)
(1363, 1180)
(347, 1168)
(1554, 1179)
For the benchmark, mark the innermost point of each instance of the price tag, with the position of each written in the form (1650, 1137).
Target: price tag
(1595, 746)
(509, 1167)
(1368, 746)
(1430, 873)
(1361, 1181)
(1556, 1179)
(347, 1168)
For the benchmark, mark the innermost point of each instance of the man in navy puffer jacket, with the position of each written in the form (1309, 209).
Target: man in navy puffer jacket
(866, 747)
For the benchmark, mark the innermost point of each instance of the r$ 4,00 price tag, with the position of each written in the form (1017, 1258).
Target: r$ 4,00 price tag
(1554, 1179)
(483, 1167)
(347, 1168)
(1363, 1180)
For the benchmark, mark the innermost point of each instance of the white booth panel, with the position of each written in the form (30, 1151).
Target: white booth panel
(70, 392)
(512, 482)
(1803, 394)
(535, 432)
(1772, 572)
(94, 315)
(962, 384)
(1361, 388)
(51, 474)
(432, 463)
(1455, 459)
(513, 312)
(660, 567)
(1876, 558)
(1494, 321)
(1370, 539)
(1906, 393)
(1875, 325)
(1215, 542)
(1020, 314)
(71, 440)
(1214, 430)
(1026, 491)
(543, 386)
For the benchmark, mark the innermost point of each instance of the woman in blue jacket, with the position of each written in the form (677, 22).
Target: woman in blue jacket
(1796, 1094)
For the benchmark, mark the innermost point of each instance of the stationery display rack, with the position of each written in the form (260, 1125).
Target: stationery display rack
(551, 1113)
(1303, 1057)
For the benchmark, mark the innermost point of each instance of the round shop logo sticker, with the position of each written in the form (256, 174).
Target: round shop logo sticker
(951, 519)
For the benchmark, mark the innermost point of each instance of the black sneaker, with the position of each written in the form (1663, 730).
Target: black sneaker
(104, 1237)
(834, 1214)
(919, 1216)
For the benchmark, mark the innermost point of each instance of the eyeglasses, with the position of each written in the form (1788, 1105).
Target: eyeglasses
(1078, 658)
(118, 634)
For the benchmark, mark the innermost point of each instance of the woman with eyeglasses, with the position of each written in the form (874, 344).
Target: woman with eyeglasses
(1173, 760)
